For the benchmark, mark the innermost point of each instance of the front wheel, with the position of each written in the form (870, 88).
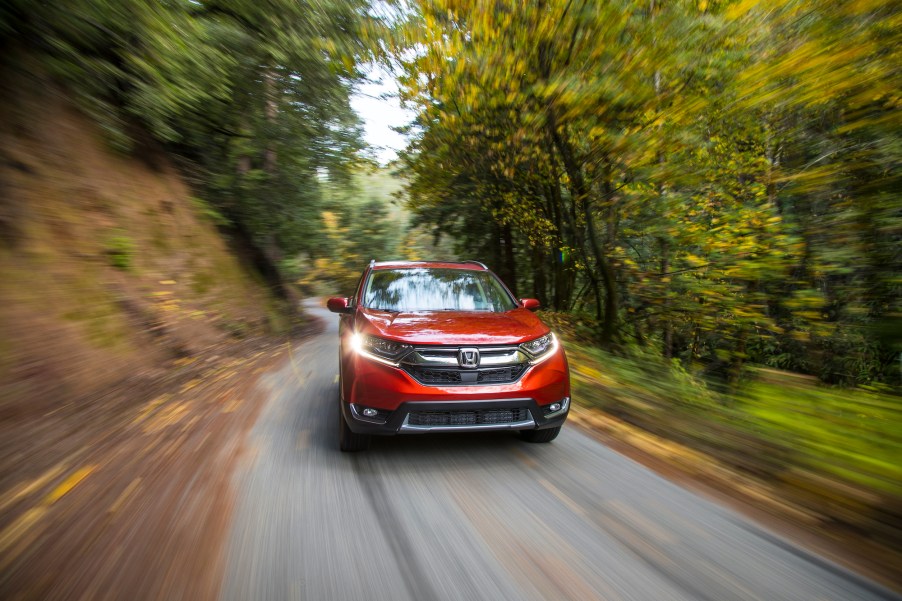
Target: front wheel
(348, 441)
(546, 435)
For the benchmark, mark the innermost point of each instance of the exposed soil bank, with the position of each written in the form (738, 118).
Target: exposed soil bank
(131, 340)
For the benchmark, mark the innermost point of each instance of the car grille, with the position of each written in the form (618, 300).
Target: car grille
(467, 417)
(501, 375)
(435, 377)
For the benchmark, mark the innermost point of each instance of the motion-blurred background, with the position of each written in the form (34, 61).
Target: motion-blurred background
(705, 197)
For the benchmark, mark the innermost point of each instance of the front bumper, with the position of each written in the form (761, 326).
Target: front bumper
(399, 421)
(393, 394)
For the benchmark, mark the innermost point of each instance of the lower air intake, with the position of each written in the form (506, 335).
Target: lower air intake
(468, 418)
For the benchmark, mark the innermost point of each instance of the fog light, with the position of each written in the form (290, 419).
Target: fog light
(555, 409)
(369, 412)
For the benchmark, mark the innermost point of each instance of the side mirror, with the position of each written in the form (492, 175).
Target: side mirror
(529, 303)
(338, 304)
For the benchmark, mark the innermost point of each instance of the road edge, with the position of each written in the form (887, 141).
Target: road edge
(704, 475)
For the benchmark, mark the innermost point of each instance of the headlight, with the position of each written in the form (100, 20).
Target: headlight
(379, 349)
(540, 348)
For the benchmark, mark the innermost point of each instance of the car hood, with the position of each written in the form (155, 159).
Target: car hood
(452, 327)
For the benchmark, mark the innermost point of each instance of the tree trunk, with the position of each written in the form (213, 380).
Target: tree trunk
(539, 281)
(271, 112)
(734, 373)
(510, 265)
(562, 262)
(581, 195)
(667, 333)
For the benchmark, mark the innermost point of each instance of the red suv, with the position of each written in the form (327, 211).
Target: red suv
(445, 347)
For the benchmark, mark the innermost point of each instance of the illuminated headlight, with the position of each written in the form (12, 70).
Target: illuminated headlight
(540, 348)
(379, 349)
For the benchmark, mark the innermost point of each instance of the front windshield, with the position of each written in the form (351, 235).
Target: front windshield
(424, 289)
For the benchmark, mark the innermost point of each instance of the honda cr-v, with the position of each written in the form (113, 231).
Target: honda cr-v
(445, 347)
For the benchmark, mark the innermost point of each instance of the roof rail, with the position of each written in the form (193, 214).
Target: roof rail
(477, 263)
(372, 262)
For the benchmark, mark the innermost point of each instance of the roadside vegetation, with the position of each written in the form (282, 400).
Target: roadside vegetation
(250, 101)
(716, 181)
(363, 219)
(833, 454)
(165, 166)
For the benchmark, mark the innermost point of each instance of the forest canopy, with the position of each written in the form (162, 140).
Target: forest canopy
(717, 180)
(251, 98)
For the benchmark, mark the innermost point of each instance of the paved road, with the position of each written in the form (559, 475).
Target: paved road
(483, 517)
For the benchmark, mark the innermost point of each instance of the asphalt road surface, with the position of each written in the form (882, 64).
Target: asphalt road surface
(483, 517)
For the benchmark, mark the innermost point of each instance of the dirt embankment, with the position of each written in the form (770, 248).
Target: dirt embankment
(131, 341)
(108, 264)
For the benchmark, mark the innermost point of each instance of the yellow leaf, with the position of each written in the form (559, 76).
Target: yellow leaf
(68, 484)
(740, 8)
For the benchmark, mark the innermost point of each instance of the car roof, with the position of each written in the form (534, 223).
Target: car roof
(469, 265)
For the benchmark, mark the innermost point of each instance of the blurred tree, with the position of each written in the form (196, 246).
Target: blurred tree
(252, 97)
(721, 179)
(359, 222)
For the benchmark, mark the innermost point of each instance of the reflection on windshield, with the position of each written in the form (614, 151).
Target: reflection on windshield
(435, 290)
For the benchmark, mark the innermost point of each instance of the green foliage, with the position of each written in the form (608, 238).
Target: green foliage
(836, 451)
(252, 98)
(208, 212)
(717, 181)
(120, 250)
(360, 224)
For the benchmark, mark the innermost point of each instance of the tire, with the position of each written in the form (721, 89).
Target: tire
(348, 441)
(546, 435)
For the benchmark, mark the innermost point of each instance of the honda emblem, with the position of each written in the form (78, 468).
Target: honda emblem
(468, 357)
